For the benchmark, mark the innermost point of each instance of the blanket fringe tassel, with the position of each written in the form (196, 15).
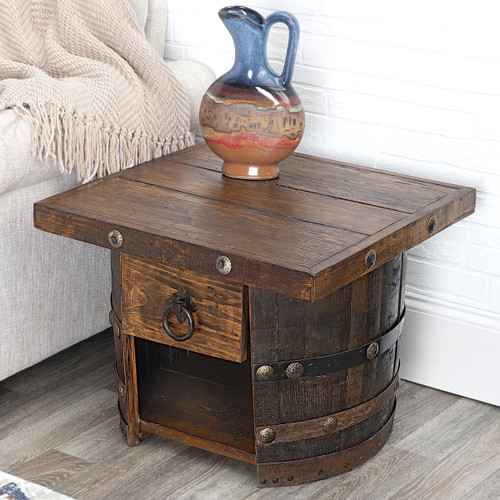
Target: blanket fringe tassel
(74, 140)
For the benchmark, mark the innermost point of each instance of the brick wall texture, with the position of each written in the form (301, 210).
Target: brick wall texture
(411, 87)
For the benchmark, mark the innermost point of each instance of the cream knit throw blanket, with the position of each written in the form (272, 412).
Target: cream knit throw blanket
(99, 97)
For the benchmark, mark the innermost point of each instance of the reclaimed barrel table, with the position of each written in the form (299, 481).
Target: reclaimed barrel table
(258, 320)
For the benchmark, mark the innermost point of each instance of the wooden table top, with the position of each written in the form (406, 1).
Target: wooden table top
(304, 234)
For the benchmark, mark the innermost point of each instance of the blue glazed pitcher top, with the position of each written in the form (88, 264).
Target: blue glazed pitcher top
(250, 31)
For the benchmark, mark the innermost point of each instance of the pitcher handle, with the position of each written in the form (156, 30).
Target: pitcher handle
(293, 39)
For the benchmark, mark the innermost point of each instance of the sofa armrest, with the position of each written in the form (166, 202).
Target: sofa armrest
(18, 167)
(195, 78)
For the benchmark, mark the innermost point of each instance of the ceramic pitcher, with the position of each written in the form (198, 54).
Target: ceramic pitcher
(251, 116)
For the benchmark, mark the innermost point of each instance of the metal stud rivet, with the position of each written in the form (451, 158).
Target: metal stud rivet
(275, 479)
(115, 238)
(346, 466)
(289, 478)
(330, 424)
(265, 373)
(432, 224)
(117, 330)
(294, 370)
(372, 350)
(266, 435)
(121, 391)
(223, 264)
(262, 481)
(320, 473)
(370, 259)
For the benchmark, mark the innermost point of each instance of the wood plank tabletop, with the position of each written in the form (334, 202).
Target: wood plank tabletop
(304, 234)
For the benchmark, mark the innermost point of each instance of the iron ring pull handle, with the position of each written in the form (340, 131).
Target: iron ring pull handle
(181, 305)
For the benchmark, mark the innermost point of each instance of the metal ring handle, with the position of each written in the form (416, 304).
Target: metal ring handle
(169, 331)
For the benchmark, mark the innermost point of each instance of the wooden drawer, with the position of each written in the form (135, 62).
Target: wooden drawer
(220, 323)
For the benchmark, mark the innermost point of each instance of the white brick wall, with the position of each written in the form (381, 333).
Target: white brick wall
(407, 87)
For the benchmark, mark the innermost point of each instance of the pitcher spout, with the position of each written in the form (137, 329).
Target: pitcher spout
(229, 14)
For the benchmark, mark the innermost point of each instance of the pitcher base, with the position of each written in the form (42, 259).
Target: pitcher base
(250, 172)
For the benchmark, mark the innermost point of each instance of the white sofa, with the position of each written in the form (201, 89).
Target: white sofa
(55, 292)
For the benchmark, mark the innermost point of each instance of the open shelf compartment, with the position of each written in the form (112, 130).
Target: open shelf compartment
(196, 399)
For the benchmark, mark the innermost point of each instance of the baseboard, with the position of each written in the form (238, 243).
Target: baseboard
(452, 348)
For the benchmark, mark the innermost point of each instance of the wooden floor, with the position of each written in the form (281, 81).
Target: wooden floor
(59, 428)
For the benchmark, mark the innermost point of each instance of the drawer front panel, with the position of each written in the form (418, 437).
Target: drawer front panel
(220, 326)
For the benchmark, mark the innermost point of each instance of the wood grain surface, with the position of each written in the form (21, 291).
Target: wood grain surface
(61, 430)
(284, 329)
(219, 322)
(305, 234)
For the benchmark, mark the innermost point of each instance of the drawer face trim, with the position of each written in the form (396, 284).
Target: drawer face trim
(220, 325)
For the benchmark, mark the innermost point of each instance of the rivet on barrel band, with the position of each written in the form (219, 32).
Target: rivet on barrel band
(330, 424)
(121, 391)
(267, 435)
(372, 350)
(370, 259)
(294, 370)
(265, 373)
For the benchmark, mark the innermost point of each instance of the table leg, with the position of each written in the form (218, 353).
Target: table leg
(126, 365)
(131, 392)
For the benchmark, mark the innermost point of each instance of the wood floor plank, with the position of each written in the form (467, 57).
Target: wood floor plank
(43, 375)
(380, 478)
(49, 468)
(451, 428)
(130, 472)
(103, 442)
(489, 489)
(68, 388)
(45, 434)
(417, 405)
(461, 471)
(442, 447)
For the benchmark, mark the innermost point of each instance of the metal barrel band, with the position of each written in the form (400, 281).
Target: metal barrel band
(315, 427)
(311, 469)
(118, 376)
(332, 363)
(113, 318)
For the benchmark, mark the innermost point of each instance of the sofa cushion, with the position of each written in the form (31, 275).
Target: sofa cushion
(152, 18)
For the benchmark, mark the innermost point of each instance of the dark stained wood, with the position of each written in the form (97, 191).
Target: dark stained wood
(300, 290)
(306, 429)
(332, 178)
(267, 197)
(116, 289)
(303, 235)
(219, 327)
(395, 239)
(320, 467)
(132, 395)
(216, 410)
(286, 329)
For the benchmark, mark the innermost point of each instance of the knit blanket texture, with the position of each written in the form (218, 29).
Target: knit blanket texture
(99, 97)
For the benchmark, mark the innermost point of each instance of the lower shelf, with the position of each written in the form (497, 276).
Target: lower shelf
(190, 402)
